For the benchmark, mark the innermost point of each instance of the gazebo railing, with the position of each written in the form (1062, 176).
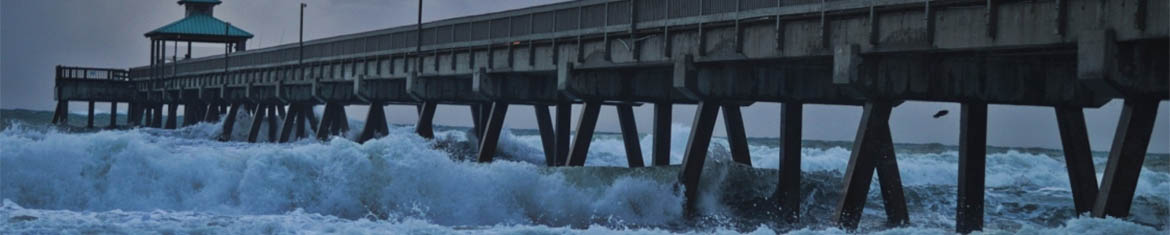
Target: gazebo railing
(66, 72)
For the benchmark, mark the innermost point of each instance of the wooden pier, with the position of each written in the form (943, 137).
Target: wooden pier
(720, 55)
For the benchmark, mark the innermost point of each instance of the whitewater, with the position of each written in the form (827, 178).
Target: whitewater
(142, 180)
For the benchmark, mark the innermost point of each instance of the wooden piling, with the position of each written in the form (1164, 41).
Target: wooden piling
(630, 135)
(113, 115)
(1078, 157)
(257, 120)
(585, 127)
(426, 119)
(291, 118)
(563, 117)
(476, 125)
(375, 123)
(547, 134)
(661, 145)
(229, 123)
(172, 115)
(972, 167)
(491, 135)
(1130, 142)
(736, 135)
(272, 122)
(788, 187)
(890, 180)
(61, 114)
(89, 117)
(325, 128)
(158, 116)
(859, 172)
(696, 152)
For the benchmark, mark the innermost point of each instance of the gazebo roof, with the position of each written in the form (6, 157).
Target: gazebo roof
(200, 2)
(199, 27)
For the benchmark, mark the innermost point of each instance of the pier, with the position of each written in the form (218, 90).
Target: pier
(719, 55)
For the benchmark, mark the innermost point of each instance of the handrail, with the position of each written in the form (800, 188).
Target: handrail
(70, 72)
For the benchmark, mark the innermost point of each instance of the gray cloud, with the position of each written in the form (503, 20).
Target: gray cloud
(37, 35)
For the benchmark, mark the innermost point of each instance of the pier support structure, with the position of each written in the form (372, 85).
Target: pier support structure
(872, 150)
(661, 145)
(788, 186)
(1130, 142)
(972, 167)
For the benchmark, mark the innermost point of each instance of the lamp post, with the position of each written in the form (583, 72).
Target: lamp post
(418, 40)
(301, 44)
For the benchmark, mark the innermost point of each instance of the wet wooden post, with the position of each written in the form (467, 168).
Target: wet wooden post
(1078, 157)
(586, 124)
(158, 116)
(131, 114)
(696, 152)
(426, 119)
(547, 135)
(291, 118)
(61, 112)
(661, 145)
(859, 172)
(113, 115)
(736, 135)
(147, 116)
(257, 120)
(172, 115)
(89, 117)
(272, 122)
(1130, 143)
(563, 116)
(325, 128)
(788, 188)
(890, 180)
(476, 125)
(212, 113)
(342, 121)
(972, 167)
(229, 122)
(491, 134)
(311, 117)
(375, 123)
(630, 135)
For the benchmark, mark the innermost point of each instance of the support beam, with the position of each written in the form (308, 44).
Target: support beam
(272, 122)
(972, 167)
(290, 119)
(257, 120)
(696, 153)
(172, 115)
(113, 115)
(158, 116)
(89, 117)
(491, 134)
(375, 123)
(426, 119)
(476, 124)
(61, 114)
(859, 172)
(325, 128)
(630, 135)
(1078, 157)
(736, 136)
(564, 121)
(1125, 158)
(212, 113)
(890, 181)
(547, 134)
(585, 127)
(661, 145)
(229, 122)
(788, 187)
(311, 116)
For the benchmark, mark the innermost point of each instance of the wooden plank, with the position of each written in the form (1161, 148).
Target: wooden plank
(1078, 157)
(1125, 158)
(630, 135)
(585, 127)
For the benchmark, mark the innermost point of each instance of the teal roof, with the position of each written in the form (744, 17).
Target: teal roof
(199, 25)
(200, 1)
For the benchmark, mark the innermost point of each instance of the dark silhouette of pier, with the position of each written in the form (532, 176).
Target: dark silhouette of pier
(720, 55)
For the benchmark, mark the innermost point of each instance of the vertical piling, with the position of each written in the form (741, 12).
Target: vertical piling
(661, 145)
(736, 136)
(375, 123)
(585, 127)
(1078, 157)
(172, 115)
(272, 122)
(630, 135)
(325, 128)
(113, 115)
(491, 134)
(61, 114)
(563, 116)
(229, 123)
(476, 125)
(257, 120)
(547, 135)
(788, 188)
(1130, 142)
(291, 118)
(972, 167)
(426, 119)
(89, 117)
(696, 153)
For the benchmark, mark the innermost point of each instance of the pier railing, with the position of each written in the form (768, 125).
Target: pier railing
(66, 72)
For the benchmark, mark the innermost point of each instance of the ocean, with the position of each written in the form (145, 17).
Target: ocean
(141, 180)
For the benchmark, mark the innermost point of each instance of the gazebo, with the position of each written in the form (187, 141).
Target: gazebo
(199, 25)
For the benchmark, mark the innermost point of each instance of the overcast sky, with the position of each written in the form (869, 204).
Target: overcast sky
(36, 35)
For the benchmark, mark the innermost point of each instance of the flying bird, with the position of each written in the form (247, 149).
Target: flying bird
(941, 113)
